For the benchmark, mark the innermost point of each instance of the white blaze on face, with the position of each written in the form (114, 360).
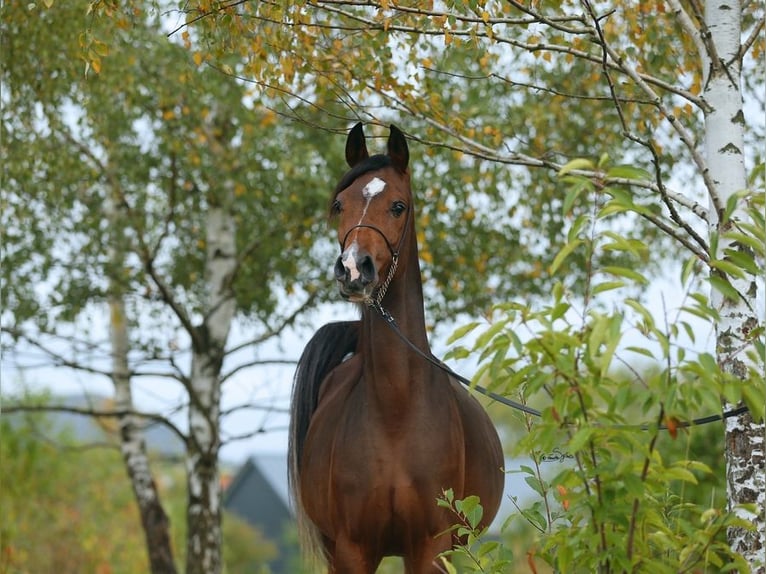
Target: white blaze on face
(349, 260)
(374, 187)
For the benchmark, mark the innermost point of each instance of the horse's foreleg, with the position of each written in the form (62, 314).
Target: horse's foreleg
(424, 558)
(347, 557)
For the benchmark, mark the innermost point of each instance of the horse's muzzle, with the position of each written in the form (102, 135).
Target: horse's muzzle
(356, 274)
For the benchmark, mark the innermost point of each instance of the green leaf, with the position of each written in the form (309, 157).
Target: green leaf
(577, 226)
(535, 484)
(688, 268)
(731, 205)
(575, 164)
(607, 286)
(462, 331)
(580, 439)
(727, 267)
(571, 196)
(755, 243)
(628, 172)
(743, 260)
(612, 208)
(678, 473)
(627, 273)
(565, 252)
(723, 287)
(484, 339)
(457, 353)
(755, 398)
(641, 351)
(471, 509)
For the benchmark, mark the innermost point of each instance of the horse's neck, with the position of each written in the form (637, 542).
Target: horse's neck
(394, 372)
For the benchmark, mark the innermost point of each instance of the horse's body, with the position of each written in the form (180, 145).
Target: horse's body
(377, 437)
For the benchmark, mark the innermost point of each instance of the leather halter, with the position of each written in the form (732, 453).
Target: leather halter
(381, 289)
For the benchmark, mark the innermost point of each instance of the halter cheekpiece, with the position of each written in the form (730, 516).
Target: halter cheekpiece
(376, 298)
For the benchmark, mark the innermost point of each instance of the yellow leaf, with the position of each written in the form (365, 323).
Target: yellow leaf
(96, 65)
(269, 118)
(197, 58)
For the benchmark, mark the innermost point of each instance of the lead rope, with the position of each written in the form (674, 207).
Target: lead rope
(391, 322)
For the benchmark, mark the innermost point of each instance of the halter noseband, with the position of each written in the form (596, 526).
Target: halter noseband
(381, 289)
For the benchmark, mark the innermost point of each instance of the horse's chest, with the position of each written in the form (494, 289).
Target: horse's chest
(391, 491)
(383, 472)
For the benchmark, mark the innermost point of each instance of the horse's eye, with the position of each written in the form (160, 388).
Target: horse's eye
(336, 207)
(397, 208)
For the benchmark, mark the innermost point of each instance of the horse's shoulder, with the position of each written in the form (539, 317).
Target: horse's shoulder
(342, 378)
(467, 403)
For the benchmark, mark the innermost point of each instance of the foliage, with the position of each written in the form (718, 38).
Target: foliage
(481, 556)
(489, 86)
(59, 500)
(156, 154)
(631, 499)
(68, 506)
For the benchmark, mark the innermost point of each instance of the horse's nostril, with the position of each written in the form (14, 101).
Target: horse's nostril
(340, 270)
(367, 270)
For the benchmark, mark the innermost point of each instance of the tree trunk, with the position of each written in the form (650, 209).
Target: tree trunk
(155, 522)
(724, 143)
(203, 553)
(133, 448)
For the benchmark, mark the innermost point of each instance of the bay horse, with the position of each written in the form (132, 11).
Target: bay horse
(376, 438)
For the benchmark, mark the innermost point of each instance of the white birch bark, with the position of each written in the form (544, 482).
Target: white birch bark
(154, 521)
(203, 551)
(724, 143)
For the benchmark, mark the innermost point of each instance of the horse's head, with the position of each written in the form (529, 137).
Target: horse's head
(373, 207)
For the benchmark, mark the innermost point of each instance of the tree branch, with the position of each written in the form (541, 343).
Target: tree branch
(686, 22)
(155, 418)
(750, 40)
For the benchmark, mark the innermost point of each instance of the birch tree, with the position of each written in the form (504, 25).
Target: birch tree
(147, 204)
(154, 520)
(720, 35)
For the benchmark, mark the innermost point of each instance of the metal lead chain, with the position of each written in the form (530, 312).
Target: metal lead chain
(384, 287)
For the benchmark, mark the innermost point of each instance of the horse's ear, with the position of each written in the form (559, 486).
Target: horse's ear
(356, 148)
(398, 150)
